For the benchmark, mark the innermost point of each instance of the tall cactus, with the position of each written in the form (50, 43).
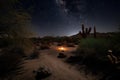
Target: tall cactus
(95, 32)
(85, 31)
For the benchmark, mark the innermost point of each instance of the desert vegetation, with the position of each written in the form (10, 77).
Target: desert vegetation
(92, 54)
(83, 56)
(14, 38)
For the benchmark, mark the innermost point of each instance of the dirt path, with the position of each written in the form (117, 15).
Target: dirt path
(59, 69)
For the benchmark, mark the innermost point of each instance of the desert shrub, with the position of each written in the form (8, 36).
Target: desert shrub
(44, 46)
(34, 55)
(115, 43)
(74, 59)
(42, 73)
(70, 45)
(61, 55)
(14, 37)
(93, 47)
(10, 64)
(94, 55)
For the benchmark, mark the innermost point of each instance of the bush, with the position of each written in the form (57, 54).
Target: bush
(74, 60)
(115, 43)
(93, 47)
(70, 45)
(94, 55)
(44, 47)
(10, 64)
(61, 55)
(42, 73)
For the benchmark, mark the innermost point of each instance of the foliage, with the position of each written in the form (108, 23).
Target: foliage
(13, 25)
(115, 43)
(93, 47)
(14, 37)
(10, 64)
(42, 73)
(93, 54)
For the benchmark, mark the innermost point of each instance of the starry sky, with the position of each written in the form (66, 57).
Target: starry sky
(64, 17)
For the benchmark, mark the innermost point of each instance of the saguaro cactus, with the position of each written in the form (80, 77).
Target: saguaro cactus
(95, 32)
(85, 31)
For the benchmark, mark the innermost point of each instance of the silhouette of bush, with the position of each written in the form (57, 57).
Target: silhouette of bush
(115, 44)
(13, 37)
(44, 46)
(61, 55)
(34, 55)
(42, 73)
(93, 53)
(10, 64)
(70, 45)
(59, 44)
(74, 60)
(93, 47)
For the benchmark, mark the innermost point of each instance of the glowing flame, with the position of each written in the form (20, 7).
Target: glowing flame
(62, 49)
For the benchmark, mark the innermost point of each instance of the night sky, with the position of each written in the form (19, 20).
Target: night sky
(64, 17)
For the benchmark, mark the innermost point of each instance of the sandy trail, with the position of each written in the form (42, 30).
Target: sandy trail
(59, 69)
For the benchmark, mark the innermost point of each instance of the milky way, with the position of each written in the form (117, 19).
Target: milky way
(73, 7)
(64, 17)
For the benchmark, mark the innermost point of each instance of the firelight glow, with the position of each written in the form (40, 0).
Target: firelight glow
(62, 48)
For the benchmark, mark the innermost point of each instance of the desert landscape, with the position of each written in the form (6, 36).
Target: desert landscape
(56, 66)
(59, 40)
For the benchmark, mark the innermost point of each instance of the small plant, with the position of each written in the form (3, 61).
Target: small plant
(70, 45)
(42, 73)
(61, 55)
(93, 46)
(93, 52)
(74, 59)
(44, 47)
(10, 64)
(34, 55)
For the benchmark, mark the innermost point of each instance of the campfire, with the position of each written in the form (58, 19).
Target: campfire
(62, 48)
